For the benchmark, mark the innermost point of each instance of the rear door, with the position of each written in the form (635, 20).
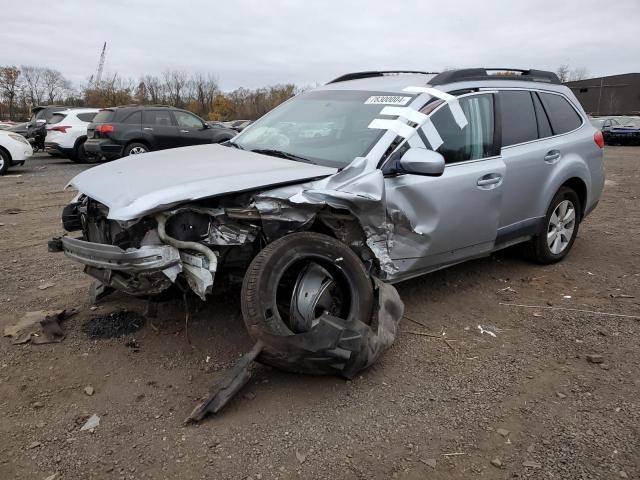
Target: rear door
(159, 129)
(192, 129)
(442, 220)
(532, 125)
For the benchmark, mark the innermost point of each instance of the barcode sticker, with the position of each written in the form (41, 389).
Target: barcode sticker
(387, 100)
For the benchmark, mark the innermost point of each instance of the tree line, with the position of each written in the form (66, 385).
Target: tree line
(22, 88)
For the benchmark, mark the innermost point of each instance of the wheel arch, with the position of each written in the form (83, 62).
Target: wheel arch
(79, 140)
(8, 154)
(135, 140)
(580, 187)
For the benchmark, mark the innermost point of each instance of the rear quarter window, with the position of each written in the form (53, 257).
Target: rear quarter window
(103, 116)
(86, 117)
(518, 117)
(56, 118)
(562, 115)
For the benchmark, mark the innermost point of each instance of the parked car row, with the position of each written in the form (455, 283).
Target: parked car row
(619, 130)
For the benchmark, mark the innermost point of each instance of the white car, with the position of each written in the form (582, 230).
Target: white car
(67, 132)
(14, 150)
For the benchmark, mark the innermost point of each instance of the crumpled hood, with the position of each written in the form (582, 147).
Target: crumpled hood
(134, 186)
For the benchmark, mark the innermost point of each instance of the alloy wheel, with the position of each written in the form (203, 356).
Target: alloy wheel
(561, 226)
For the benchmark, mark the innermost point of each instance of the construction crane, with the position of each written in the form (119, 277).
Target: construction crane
(97, 78)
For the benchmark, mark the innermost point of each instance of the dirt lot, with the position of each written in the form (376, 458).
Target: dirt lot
(527, 399)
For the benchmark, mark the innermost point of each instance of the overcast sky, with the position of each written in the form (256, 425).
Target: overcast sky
(253, 43)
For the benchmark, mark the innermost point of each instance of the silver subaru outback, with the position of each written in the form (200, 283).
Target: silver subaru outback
(323, 203)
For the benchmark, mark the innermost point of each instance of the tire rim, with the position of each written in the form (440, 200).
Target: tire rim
(1, 162)
(309, 289)
(137, 151)
(561, 226)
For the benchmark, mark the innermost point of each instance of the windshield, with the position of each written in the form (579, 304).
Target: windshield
(327, 127)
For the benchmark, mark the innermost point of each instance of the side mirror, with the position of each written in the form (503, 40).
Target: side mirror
(205, 126)
(420, 161)
(41, 122)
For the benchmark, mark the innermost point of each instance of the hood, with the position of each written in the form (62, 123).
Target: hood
(134, 186)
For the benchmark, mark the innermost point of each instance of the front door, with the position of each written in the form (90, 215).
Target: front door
(442, 220)
(192, 130)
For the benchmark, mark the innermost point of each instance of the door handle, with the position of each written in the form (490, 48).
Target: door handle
(489, 179)
(552, 156)
(184, 131)
(148, 128)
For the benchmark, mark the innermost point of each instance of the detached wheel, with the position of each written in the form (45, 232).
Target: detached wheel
(4, 162)
(556, 236)
(293, 281)
(135, 149)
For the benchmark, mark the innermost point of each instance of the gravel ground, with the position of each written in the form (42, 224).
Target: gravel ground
(526, 403)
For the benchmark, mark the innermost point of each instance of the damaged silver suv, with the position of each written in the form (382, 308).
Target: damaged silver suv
(322, 204)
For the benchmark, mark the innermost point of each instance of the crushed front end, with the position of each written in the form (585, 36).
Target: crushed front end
(189, 244)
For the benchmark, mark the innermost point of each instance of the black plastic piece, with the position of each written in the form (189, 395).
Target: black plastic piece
(71, 217)
(55, 245)
(381, 73)
(470, 74)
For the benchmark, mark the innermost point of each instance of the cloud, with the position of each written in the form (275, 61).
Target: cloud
(253, 43)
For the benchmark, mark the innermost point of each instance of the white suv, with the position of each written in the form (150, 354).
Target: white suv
(14, 150)
(67, 132)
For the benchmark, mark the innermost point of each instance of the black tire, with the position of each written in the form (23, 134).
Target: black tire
(5, 161)
(262, 281)
(538, 248)
(79, 154)
(132, 148)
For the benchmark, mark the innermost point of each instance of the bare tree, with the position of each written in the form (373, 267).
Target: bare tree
(175, 82)
(563, 72)
(55, 84)
(205, 89)
(33, 77)
(579, 73)
(9, 86)
(154, 89)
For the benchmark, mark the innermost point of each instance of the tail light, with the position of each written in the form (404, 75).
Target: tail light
(599, 139)
(59, 128)
(104, 128)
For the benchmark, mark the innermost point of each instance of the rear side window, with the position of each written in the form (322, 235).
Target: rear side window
(562, 115)
(134, 119)
(476, 139)
(157, 117)
(544, 128)
(86, 117)
(56, 118)
(103, 116)
(518, 117)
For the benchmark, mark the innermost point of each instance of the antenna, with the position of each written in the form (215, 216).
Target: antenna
(98, 76)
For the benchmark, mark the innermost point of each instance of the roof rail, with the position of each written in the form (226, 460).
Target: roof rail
(484, 74)
(374, 73)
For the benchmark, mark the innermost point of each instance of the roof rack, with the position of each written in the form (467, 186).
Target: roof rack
(373, 73)
(466, 74)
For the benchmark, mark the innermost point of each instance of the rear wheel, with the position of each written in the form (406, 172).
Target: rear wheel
(79, 154)
(559, 230)
(5, 160)
(295, 280)
(135, 149)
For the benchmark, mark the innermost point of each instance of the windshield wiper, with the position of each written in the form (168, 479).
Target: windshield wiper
(235, 145)
(281, 154)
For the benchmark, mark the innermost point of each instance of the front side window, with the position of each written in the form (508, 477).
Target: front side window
(562, 115)
(188, 120)
(517, 117)
(476, 139)
(326, 127)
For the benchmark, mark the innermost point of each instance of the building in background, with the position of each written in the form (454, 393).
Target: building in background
(612, 95)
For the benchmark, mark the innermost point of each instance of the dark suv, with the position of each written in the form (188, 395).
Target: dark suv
(121, 131)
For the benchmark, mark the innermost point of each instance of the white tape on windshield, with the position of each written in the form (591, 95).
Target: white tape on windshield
(452, 101)
(396, 126)
(435, 140)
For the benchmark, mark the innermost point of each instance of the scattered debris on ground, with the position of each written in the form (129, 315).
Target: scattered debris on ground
(114, 324)
(92, 422)
(39, 327)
